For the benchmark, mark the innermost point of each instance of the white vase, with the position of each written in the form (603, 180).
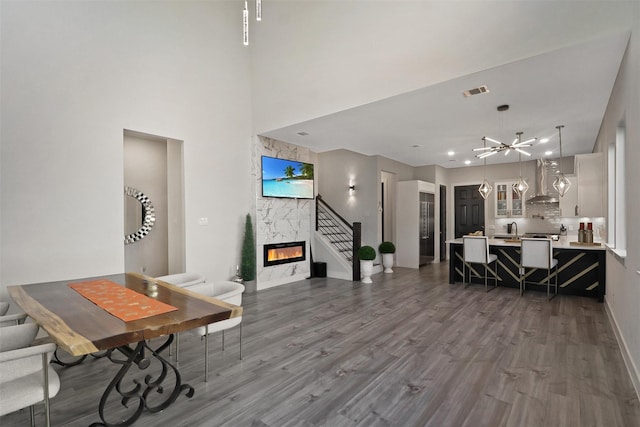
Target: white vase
(366, 270)
(387, 262)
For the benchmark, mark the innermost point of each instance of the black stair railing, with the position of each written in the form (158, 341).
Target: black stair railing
(345, 237)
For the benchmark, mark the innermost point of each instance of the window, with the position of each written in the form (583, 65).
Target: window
(616, 194)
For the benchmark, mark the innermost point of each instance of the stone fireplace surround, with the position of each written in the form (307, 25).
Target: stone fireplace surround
(281, 220)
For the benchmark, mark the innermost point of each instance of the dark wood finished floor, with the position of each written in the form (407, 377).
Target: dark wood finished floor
(407, 350)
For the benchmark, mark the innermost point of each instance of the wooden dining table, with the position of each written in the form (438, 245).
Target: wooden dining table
(80, 327)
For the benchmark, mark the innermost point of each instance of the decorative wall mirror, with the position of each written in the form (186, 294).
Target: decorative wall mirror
(139, 215)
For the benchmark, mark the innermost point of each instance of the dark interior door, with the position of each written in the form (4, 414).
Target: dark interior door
(443, 222)
(469, 211)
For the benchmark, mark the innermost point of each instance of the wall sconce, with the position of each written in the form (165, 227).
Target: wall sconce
(352, 188)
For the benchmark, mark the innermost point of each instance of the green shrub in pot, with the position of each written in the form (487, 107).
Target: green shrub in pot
(387, 248)
(366, 253)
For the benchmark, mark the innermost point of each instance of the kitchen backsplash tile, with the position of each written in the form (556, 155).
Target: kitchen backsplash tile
(549, 225)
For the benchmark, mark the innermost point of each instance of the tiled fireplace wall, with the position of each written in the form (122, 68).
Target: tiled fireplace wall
(281, 220)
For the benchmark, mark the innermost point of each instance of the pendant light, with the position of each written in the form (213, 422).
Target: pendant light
(520, 186)
(485, 188)
(561, 184)
(245, 25)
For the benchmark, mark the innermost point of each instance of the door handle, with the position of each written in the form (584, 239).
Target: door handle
(428, 220)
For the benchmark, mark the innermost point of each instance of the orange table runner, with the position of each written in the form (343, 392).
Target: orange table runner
(121, 302)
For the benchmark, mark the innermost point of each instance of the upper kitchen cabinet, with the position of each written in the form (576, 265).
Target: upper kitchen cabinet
(589, 170)
(585, 198)
(508, 204)
(569, 202)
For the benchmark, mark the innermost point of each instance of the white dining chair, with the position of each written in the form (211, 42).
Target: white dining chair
(12, 319)
(476, 251)
(230, 292)
(183, 280)
(538, 253)
(26, 378)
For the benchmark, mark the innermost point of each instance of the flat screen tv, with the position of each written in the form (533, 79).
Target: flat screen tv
(286, 178)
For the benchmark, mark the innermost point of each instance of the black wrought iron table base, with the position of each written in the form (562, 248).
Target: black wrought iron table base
(66, 363)
(139, 392)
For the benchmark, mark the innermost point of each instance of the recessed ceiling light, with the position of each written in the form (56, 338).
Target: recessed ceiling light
(543, 140)
(467, 162)
(302, 133)
(548, 153)
(451, 153)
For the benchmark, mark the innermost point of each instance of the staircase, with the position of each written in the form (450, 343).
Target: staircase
(339, 235)
(343, 237)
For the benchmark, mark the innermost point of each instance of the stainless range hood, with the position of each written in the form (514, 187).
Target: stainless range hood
(542, 185)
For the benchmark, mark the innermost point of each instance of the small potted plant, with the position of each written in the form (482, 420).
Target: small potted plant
(387, 249)
(366, 255)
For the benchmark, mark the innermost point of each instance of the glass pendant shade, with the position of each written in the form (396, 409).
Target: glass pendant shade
(561, 184)
(485, 189)
(520, 187)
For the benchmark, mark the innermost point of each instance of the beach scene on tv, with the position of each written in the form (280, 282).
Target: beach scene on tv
(286, 178)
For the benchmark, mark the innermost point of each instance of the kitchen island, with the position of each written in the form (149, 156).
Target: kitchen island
(581, 269)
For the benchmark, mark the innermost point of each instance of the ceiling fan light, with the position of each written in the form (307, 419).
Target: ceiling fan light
(485, 189)
(561, 184)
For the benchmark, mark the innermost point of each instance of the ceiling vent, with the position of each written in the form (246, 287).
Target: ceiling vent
(476, 90)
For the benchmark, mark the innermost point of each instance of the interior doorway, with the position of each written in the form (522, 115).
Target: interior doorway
(153, 166)
(469, 210)
(387, 202)
(443, 222)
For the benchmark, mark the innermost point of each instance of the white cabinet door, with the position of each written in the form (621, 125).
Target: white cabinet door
(508, 204)
(589, 171)
(569, 202)
(502, 201)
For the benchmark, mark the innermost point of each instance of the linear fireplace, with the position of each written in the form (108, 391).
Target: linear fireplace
(283, 253)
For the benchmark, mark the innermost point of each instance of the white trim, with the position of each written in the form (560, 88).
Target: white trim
(634, 373)
(281, 281)
(619, 254)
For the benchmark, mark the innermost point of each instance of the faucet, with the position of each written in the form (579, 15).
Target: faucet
(512, 224)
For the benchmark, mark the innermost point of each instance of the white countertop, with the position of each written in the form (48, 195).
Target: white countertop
(563, 243)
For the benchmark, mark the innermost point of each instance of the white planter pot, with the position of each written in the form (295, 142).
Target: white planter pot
(366, 270)
(387, 262)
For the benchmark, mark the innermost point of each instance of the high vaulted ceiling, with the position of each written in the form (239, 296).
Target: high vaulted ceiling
(386, 78)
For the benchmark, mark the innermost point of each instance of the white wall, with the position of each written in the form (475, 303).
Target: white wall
(338, 170)
(623, 278)
(74, 75)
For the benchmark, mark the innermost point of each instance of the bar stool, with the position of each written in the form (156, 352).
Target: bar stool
(538, 253)
(476, 251)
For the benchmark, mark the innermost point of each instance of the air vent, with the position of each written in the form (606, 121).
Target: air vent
(476, 90)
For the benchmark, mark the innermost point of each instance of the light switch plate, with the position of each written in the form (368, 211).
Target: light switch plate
(203, 221)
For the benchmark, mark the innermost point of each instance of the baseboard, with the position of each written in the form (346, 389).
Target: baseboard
(624, 349)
